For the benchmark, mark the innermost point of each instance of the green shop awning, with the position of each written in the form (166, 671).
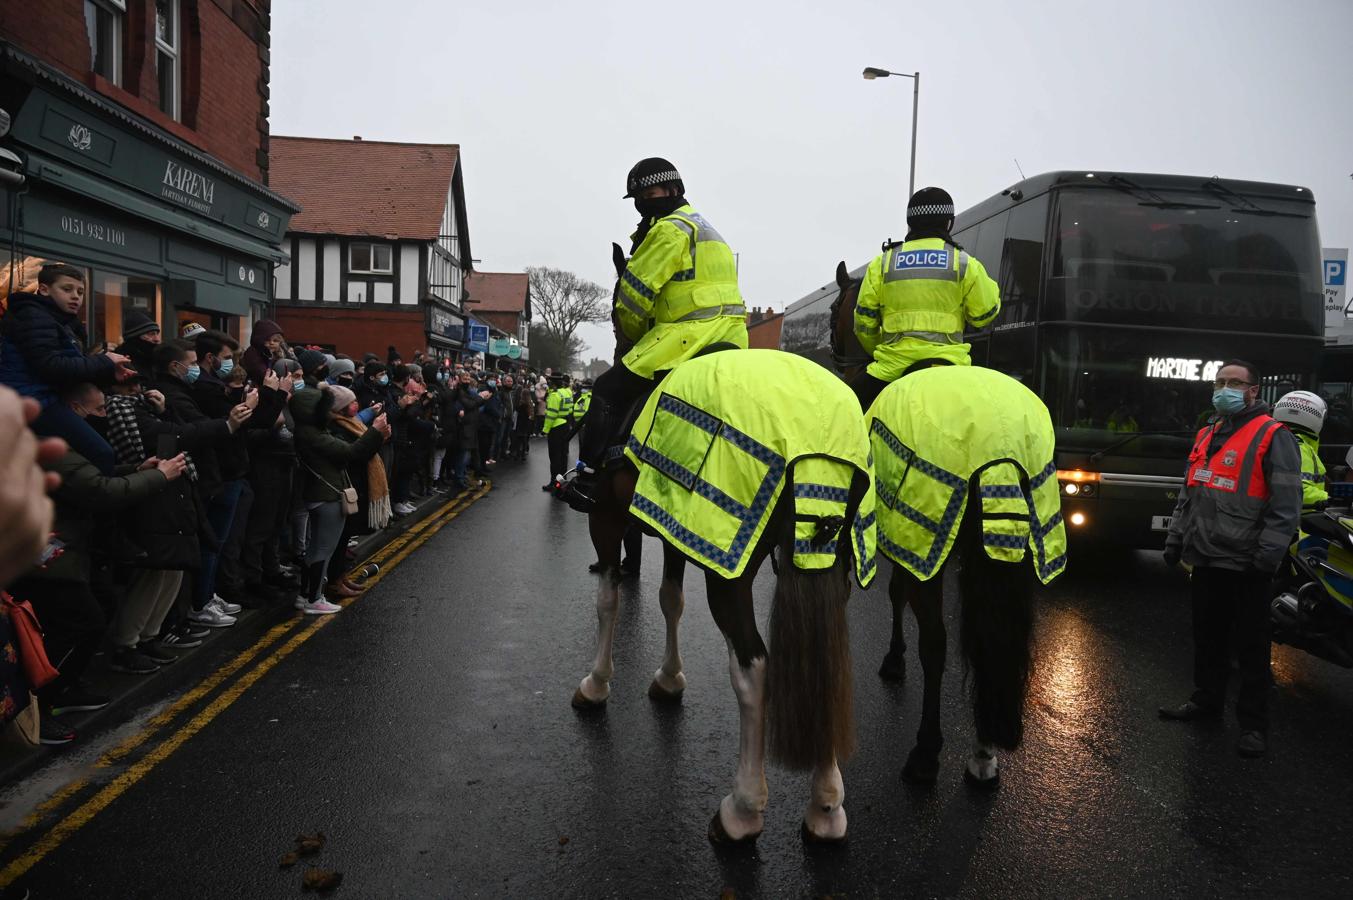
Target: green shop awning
(217, 298)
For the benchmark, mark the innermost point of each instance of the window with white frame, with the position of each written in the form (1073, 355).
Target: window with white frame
(370, 259)
(168, 68)
(103, 23)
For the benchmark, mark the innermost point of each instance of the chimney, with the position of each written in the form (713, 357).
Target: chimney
(356, 137)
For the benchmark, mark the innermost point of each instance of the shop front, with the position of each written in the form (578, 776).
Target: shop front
(445, 333)
(158, 226)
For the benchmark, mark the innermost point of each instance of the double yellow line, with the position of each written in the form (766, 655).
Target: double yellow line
(388, 557)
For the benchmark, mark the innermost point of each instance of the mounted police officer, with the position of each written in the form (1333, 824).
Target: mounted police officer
(1304, 413)
(677, 295)
(1235, 517)
(917, 296)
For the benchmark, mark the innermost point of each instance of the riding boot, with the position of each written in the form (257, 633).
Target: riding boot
(596, 432)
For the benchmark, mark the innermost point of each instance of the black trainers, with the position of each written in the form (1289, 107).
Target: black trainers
(1188, 711)
(192, 630)
(76, 699)
(1252, 744)
(152, 651)
(132, 661)
(53, 731)
(178, 639)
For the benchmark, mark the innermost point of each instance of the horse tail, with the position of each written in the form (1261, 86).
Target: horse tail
(810, 715)
(996, 632)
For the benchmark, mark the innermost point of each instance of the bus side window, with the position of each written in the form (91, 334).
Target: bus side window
(1022, 261)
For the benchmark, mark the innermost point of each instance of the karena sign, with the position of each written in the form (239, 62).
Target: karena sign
(1178, 369)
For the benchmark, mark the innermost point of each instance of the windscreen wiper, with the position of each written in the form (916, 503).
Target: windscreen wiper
(1247, 206)
(1132, 189)
(1099, 454)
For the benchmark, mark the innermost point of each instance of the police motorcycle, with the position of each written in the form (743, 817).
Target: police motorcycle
(1313, 610)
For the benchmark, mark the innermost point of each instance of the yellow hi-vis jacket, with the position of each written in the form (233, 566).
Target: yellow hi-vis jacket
(934, 429)
(723, 433)
(558, 409)
(679, 294)
(1312, 471)
(581, 404)
(914, 301)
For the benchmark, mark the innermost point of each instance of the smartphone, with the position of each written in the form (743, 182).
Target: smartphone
(166, 446)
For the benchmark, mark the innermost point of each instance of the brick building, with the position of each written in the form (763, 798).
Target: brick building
(502, 300)
(380, 250)
(763, 328)
(140, 130)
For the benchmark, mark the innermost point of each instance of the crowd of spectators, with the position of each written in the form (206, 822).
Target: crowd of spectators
(199, 478)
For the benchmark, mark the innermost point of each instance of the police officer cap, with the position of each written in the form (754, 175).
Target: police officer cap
(929, 204)
(648, 172)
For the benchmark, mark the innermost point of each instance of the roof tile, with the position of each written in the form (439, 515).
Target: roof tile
(498, 291)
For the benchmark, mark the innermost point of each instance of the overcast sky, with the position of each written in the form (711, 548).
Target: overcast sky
(797, 159)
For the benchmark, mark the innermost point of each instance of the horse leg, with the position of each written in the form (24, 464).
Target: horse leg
(739, 818)
(608, 529)
(894, 667)
(669, 682)
(927, 604)
(825, 819)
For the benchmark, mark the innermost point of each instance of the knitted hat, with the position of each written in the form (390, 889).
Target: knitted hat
(136, 323)
(930, 206)
(190, 330)
(342, 396)
(311, 360)
(342, 367)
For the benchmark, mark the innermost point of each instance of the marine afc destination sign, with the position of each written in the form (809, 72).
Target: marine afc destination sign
(182, 185)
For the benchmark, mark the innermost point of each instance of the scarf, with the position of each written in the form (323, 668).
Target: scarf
(125, 435)
(377, 489)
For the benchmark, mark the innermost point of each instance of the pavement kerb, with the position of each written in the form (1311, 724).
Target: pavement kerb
(193, 667)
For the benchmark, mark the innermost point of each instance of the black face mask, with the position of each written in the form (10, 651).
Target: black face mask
(345, 380)
(657, 207)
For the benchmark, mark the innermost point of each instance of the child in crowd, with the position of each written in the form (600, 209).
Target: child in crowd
(42, 355)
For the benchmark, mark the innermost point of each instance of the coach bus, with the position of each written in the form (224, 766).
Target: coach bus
(1122, 294)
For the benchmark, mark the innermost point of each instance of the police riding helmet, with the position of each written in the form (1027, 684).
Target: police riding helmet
(652, 171)
(1301, 410)
(930, 206)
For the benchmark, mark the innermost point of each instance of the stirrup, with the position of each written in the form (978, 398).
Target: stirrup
(577, 489)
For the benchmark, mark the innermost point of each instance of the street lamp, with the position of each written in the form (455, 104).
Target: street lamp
(870, 73)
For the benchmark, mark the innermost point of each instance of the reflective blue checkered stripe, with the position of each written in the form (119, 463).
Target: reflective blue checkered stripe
(1001, 492)
(861, 527)
(821, 492)
(802, 547)
(953, 506)
(748, 515)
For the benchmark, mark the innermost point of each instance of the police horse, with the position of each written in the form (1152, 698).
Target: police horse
(963, 459)
(727, 482)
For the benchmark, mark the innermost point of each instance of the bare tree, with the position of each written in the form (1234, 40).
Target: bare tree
(561, 301)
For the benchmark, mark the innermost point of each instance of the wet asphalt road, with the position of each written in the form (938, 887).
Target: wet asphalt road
(427, 731)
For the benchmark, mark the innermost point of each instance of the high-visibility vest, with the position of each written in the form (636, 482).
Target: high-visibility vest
(558, 409)
(581, 405)
(719, 439)
(1312, 470)
(683, 271)
(936, 429)
(914, 301)
(1238, 467)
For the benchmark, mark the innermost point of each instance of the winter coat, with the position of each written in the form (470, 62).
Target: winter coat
(215, 399)
(170, 527)
(41, 350)
(141, 353)
(84, 493)
(181, 408)
(357, 477)
(257, 358)
(467, 399)
(324, 458)
(492, 412)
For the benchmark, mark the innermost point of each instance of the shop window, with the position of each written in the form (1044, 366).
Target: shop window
(168, 68)
(110, 297)
(104, 24)
(371, 259)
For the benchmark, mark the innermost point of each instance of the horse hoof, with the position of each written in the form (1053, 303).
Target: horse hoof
(894, 667)
(981, 784)
(921, 768)
(813, 840)
(720, 837)
(583, 703)
(659, 694)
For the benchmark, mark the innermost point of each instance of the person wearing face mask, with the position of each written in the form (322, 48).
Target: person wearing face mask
(677, 295)
(1235, 517)
(342, 371)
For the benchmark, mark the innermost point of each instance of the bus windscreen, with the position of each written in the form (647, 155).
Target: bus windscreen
(1198, 259)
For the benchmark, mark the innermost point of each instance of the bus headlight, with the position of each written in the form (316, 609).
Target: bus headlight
(1077, 518)
(1071, 489)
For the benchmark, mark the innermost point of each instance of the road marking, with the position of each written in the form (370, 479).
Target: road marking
(388, 557)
